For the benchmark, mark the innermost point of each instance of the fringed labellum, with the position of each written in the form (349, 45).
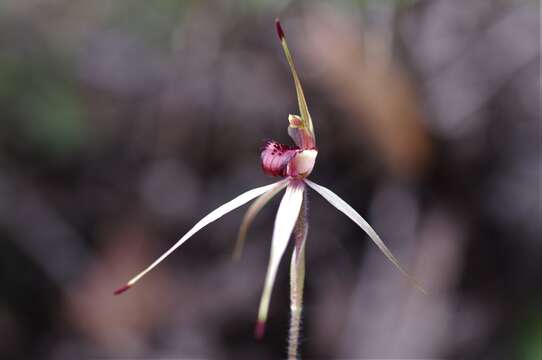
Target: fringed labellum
(284, 161)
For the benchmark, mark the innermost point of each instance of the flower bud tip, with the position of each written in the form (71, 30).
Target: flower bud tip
(259, 330)
(280, 32)
(122, 289)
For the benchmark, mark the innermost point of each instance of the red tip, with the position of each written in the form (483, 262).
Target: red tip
(259, 330)
(280, 32)
(122, 289)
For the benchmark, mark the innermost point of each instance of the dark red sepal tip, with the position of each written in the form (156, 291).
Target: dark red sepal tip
(259, 330)
(122, 289)
(280, 32)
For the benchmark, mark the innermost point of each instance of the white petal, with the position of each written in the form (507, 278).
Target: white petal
(345, 208)
(212, 216)
(284, 225)
(251, 213)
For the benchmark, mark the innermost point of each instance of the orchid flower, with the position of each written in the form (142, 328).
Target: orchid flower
(293, 164)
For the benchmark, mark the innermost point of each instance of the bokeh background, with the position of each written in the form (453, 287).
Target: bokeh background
(122, 123)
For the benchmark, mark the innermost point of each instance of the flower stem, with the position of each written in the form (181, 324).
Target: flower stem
(296, 307)
(297, 278)
(293, 341)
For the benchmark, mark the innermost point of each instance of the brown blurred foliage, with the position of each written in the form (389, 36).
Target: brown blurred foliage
(124, 122)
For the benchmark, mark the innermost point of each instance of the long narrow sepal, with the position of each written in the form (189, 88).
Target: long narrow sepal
(251, 213)
(303, 109)
(287, 214)
(212, 216)
(345, 208)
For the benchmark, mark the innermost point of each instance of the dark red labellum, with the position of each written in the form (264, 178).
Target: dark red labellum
(275, 158)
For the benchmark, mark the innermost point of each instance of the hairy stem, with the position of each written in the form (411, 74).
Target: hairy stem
(297, 278)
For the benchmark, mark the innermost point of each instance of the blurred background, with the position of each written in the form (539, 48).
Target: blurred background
(122, 123)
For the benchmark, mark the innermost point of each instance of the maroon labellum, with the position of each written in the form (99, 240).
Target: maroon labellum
(275, 158)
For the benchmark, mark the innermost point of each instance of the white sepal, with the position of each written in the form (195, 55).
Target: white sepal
(251, 213)
(212, 216)
(345, 208)
(287, 214)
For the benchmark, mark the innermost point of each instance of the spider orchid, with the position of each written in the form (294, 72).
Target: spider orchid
(294, 164)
